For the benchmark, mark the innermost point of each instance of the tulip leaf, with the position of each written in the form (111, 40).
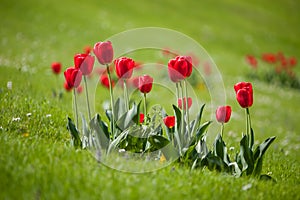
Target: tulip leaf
(259, 152)
(100, 131)
(220, 149)
(75, 138)
(246, 155)
(197, 121)
(127, 119)
(178, 116)
(86, 139)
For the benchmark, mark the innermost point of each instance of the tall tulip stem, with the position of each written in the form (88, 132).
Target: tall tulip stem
(222, 129)
(126, 96)
(87, 98)
(112, 102)
(183, 110)
(75, 105)
(145, 108)
(249, 128)
(187, 108)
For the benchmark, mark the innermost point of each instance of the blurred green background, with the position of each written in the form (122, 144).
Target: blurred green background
(35, 33)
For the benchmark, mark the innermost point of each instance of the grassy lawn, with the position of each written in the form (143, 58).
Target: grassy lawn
(36, 159)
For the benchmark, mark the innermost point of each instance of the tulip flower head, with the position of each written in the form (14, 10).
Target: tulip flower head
(142, 117)
(105, 82)
(180, 68)
(189, 100)
(56, 67)
(84, 62)
(169, 121)
(124, 67)
(223, 114)
(73, 77)
(145, 83)
(244, 94)
(104, 52)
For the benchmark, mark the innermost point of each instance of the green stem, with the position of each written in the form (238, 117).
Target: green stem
(247, 123)
(177, 92)
(126, 96)
(112, 102)
(222, 129)
(75, 105)
(187, 108)
(183, 111)
(145, 108)
(87, 97)
(250, 128)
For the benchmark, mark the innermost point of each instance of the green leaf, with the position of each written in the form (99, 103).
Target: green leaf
(178, 116)
(157, 142)
(201, 130)
(197, 121)
(136, 118)
(213, 162)
(75, 138)
(86, 139)
(220, 149)
(258, 154)
(190, 154)
(127, 119)
(100, 130)
(246, 156)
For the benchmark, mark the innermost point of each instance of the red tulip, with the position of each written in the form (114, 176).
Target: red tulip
(104, 52)
(145, 83)
(244, 94)
(251, 61)
(142, 116)
(293, 61)
(73, 77)
(180, 68)
(56, 67)
(79, 89)
(269, 57)
(124, 67)
(66, 86)
(184, 103)
(105, 82)
(223, 114)
(84, 62)
(169, 121)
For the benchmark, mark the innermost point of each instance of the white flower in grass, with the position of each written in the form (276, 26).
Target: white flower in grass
(48, 115)
(9, 85)
(16, 119)
(247, 187)
(28, 114)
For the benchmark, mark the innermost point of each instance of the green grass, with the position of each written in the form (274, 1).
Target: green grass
(42, 164)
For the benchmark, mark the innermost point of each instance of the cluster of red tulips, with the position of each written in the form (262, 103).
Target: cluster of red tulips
(275, 68)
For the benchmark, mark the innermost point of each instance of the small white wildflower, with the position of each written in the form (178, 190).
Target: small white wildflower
(48, 115)
(9, 85)
(231, 148)
(16, 119)
(1, 128)
(247, 187)
(269, 173)
(28, 114)
(122, 150)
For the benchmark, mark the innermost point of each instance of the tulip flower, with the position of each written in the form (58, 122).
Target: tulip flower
(145, 83)
(223, 114)
(189, 100)
(105, 82)
(251, 61)
(180, 68)
(169, 121)
(56, 67)
(79, 89)
(84, 62)
(142, 116)
(104, 52)
(244, 94)
(124, 67)
(269, 57)
(66, 86)
(73, 77)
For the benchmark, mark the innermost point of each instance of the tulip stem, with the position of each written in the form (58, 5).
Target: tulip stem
(145, 108)
(183, 111)
(126, 96)
(112, 103)
(87, 98)
(75, 105)
(177, 91)
(222, 129)
(187, 108)
(250, 128)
